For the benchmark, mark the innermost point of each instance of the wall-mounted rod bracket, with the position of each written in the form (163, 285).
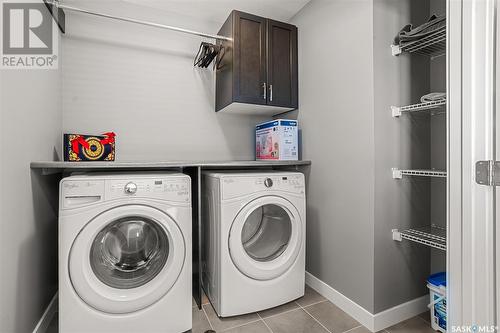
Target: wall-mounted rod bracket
(57, 13)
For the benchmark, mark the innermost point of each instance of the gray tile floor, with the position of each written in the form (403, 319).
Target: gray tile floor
(309, 314)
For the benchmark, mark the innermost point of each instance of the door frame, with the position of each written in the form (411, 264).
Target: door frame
(471, 137)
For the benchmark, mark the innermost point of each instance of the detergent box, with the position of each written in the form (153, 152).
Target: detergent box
(437, 291)
(277, 140)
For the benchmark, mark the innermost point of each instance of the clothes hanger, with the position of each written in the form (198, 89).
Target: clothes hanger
(207, 52)
(211, 54)
(201, 55)
(198, 55)
(222, 53)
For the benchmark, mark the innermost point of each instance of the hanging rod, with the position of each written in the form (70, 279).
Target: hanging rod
(59, 5)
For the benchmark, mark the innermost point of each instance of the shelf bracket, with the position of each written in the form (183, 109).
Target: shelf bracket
(48, 172)
(396, 173)
(396, 235)
(396, 111)
(395, 50)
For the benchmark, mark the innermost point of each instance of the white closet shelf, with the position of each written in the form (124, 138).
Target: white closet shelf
(433, 107)
(399, 173)
(432, 236)
(433, 45)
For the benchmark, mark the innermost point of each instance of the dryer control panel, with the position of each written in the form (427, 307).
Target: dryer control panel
(237, 186)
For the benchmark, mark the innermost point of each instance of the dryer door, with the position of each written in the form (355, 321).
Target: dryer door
(266, 238)
(126, 259)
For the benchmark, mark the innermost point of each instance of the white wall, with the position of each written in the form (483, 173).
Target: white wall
(30, 129)
(140, 83)
(336, 117)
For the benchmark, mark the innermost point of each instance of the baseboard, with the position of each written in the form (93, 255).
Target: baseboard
(400, 312)
(374, 322)
(47, 316)
(347, 305)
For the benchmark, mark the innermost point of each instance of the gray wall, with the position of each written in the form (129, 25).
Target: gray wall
(404, 142)
(348, 81)
(336, 117)
(30, 127)
(438, 149)
(140, 82)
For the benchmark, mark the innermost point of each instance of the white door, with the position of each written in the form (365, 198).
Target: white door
(496, 82)
(126, 259)
(266, 237)
(472, 137)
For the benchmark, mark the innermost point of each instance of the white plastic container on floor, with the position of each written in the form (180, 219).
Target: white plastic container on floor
(437, 291)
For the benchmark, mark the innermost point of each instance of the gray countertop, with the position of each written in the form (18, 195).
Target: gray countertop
(61, 166)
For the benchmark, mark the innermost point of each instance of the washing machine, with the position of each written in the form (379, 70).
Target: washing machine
(254, 240)
(125, 253)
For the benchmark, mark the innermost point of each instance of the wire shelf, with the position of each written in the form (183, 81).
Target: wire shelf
(432, 236)
(434, 107)
(433, 45)
(398, 173)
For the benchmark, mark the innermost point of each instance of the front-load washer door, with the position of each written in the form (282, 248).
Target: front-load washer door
(266, 238)
(126, 259)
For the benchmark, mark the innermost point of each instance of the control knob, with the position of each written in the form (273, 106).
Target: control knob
(131, 188)
(268, 182)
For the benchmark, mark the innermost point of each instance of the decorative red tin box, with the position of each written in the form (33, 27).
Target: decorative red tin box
(80, 147)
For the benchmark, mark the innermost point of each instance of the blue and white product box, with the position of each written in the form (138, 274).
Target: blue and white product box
(437, 292)
(277, 140)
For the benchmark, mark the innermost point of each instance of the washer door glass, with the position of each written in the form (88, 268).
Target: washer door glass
(266, 237)
(266, 232)
(129, 252)
(127, 258)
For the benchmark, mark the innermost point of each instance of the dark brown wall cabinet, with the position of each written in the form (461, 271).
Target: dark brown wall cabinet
(258, 72)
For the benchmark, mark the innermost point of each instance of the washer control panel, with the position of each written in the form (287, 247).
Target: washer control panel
(243, 185)
(81, 191)
(175, 189)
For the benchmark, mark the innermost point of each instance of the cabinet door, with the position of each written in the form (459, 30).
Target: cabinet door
(249, 58)
(282, 64)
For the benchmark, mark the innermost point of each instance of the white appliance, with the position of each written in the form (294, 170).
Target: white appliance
(254, 233)
(125, 253)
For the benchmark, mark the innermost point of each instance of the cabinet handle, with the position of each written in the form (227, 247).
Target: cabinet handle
(271, 92)
(264, 85)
